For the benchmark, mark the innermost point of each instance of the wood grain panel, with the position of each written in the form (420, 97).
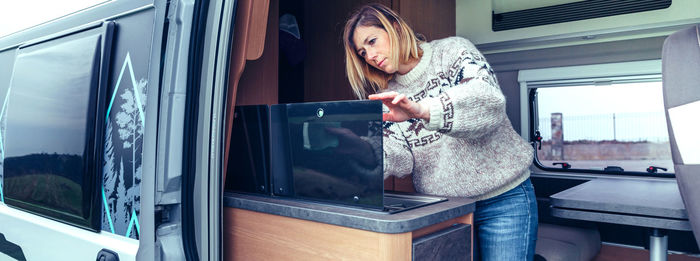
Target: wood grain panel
(466, 219)
(258, 84)
(324, 75)
(389, 183)
(252, 235)
(258, 25)
(404, 184)
(434, 19)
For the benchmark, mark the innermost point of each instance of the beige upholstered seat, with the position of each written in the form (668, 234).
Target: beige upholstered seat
(681, 87)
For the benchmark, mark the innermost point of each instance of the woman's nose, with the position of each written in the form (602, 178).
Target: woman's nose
(371, 55)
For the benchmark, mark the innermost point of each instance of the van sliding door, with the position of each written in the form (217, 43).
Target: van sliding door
(80, 98)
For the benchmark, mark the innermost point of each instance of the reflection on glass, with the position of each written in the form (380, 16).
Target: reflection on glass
(592, 127)
(46, 126)
(337, 156)
(248, 152)
(20, 15)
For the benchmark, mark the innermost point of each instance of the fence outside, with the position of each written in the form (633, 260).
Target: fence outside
(626, 127)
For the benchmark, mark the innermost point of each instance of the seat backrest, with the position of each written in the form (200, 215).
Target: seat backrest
(681, 90)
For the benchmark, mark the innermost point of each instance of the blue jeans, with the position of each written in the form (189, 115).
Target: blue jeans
(505, 226)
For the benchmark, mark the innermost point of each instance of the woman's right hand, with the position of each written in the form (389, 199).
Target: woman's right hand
(400, 107)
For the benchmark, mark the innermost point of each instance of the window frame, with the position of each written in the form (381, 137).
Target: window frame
(596, 74)
(92, 157)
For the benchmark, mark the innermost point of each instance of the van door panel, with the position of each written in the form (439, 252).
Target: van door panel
(133, 72)
(125, 121)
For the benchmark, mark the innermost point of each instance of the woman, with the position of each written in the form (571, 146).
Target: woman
(446, 125)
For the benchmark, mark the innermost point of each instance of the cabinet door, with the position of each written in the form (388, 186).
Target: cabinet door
(324, 73)
(452, 243)
(433, 19)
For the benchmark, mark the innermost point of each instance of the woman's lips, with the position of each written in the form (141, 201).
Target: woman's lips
(381, 62)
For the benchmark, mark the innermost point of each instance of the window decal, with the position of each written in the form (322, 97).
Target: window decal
(125, 122)
(2, 141)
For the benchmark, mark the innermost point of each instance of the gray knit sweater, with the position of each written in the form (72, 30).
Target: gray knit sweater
(469, 147)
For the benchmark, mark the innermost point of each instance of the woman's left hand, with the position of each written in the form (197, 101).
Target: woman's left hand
(400, 107)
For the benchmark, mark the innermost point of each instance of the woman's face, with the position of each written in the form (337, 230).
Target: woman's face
(372, 44)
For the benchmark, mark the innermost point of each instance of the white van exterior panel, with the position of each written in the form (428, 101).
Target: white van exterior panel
(67, 242)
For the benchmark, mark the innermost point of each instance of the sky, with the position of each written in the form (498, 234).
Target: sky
(16, 15)
(588, 111)
(591, 100)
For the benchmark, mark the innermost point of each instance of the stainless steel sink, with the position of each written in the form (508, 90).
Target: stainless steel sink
(395, 202)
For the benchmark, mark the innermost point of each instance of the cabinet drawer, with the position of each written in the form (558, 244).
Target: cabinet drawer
(452, 243)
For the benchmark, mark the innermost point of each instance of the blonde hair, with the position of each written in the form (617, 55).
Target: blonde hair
(404, 46)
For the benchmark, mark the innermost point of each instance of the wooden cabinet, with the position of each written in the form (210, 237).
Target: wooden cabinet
(433, 19)
(267, 80)
(324, 71)
(253, 235)
(403, 184)
(324, 68)
(258, 83)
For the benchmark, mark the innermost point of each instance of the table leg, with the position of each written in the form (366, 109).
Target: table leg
(658, 245)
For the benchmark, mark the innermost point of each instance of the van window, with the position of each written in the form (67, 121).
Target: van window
(600, 118)
(52, 147)
(19, 15)
(595, 127)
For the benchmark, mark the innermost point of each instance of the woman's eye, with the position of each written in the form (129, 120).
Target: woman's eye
(362, 54)
(371, 42)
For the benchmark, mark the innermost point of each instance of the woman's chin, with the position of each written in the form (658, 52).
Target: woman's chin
(387, 69)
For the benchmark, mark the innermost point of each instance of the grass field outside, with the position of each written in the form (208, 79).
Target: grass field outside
(51, 191)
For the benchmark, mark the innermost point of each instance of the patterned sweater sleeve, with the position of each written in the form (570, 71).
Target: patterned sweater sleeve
(473, 105)
(398, 159)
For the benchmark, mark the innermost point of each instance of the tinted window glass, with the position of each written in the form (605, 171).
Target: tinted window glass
(336, 152)
(248, 153)
(594, 127)
(50, 153)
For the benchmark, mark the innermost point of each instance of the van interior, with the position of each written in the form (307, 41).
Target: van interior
(545, 55)
(228, 130)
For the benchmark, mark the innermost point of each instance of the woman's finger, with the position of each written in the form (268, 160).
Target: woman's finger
(387, 117)
(398, 98)
(383, 96)
(388, 104)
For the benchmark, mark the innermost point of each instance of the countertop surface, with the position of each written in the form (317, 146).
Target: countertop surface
(376, 221)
